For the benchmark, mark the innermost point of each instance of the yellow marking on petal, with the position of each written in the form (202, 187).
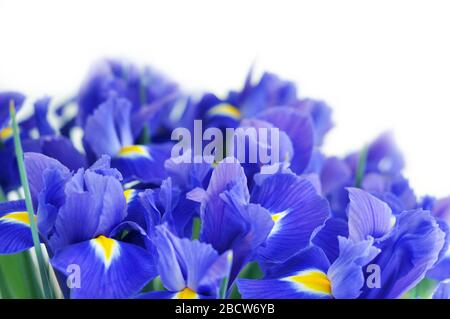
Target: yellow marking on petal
(133, 150)
(393, 221)
(186, 293)
(106, 245)
(6, 133)
(230, 256)
(225, 109)
(276, 217)
(313, 280)
(17, 217)
(129, 194)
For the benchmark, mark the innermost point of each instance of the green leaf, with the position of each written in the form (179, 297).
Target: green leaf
(18, 277)
(251, 271)
(43, 270)
(361, 168)
(196, 226)
(2, 195)
(423, 290)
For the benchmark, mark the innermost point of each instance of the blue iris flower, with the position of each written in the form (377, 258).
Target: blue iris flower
(165, 204)
(229, 220)
(188, 171)
(296, 210)
(9, 174)
(48, 141)
(310, 275)
(382, 176)
(410, 243)
(441, 211)
(274, 101)
(122, 213)
(403, 249)
(147, 90)
(188, 269)
(442, 291)
(271, 91)
(270, 225)
(249, 131)
(109, 131)
(5, 99)
(82, 219)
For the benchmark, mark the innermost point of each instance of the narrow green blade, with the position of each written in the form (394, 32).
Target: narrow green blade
(19, 277)
(361, 168)
(48, 292)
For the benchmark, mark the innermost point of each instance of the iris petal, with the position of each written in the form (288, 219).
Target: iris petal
(299, 128)
(93, 206)
(59, 148)
(185, 263)
(144, 163)
(5, 98)
(108, 128)
(274, 289)
(326, 237)
(15, 232)
(302, 276)
(367, 216)
(346, 272)
(35, 165)
(442, 291)
(107, 268)
(297, 211)
(410, 250)
(225, 109)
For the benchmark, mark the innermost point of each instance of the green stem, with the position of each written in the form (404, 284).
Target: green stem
(361, 168)
(5, 292)
(23, 178)
(157, 284)
(17, 276)
(423, 290)
(20, 276)
(251, 271)
(196, 226)
(144, 137)
(224, 287)
(143, 90)
(2, 195)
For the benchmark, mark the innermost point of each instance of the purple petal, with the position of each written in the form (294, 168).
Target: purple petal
(346, 272)
(410, 250)
(367, 216)
(108, 268)
(108, 128)
(299, 128)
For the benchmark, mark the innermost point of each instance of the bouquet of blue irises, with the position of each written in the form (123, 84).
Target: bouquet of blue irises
(135, 188)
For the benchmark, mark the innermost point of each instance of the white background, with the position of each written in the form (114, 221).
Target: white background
(381, 65)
